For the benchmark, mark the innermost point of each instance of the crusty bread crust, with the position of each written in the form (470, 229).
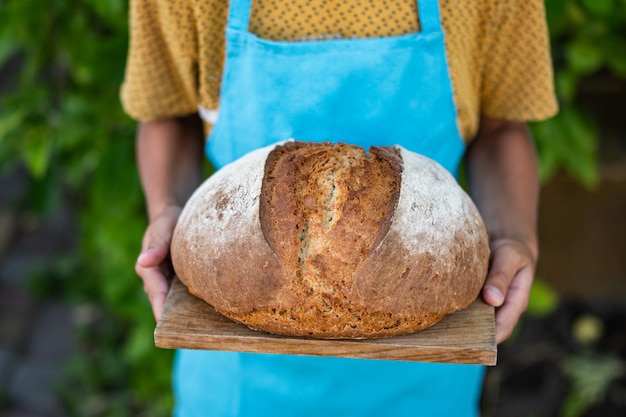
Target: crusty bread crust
(331, 241)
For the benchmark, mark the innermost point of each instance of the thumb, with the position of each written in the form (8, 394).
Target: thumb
(156, 251)
(157, 239)
(501, 273)
(153, 256)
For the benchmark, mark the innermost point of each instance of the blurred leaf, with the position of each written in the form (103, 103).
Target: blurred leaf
(8, 49)
(543, 299)
(599, 8)
(566, 85)
(569, 141)
(37, 151)
(547, 156)
(140, 343)
(583, 56)
(575, 13)
(582, 160)
(43, 194)
(574, 406)
(109, 10)
(9, 121)
(556, 15)
(589, 378)
(550, 138)
(583, 133)
(615, 52)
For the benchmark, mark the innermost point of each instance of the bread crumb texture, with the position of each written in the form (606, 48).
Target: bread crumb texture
(332, 241)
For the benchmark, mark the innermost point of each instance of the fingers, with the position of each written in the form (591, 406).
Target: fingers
(154, 255)
(508, 284)
(156, 285)
(497, 283)
(153, 263)
(156, 241)
(514, 306)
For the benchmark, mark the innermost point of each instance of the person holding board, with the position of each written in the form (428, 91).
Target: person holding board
(449, 79)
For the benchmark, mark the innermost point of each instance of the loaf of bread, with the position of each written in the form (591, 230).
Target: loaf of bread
(332, 241)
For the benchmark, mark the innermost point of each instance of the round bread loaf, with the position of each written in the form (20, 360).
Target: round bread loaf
(331, 241)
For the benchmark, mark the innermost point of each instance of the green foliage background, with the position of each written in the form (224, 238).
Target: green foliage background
(588, 38)
(61, 118)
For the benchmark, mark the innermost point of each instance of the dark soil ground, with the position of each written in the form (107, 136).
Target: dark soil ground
(532, 375)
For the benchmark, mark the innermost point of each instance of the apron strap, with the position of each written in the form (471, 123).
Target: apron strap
(239, 14)
(428, 10)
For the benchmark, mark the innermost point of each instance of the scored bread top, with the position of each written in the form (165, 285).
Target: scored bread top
(322, 210)
(332, 241)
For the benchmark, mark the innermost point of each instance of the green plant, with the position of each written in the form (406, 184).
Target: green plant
(589, 377)
(588, 37)
(543, 299)
(61, 118)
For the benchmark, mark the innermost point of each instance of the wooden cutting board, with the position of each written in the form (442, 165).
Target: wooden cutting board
(467, 336)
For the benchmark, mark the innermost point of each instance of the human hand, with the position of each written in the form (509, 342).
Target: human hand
(154, 265)
(508, 283)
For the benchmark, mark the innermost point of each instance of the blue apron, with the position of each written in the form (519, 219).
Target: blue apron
(383, 91)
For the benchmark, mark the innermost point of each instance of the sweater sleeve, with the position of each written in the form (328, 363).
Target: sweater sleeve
(161, 78)
(517, 79)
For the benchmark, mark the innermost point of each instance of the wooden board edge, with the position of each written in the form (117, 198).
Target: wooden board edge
(341, 348)
(167, 338)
